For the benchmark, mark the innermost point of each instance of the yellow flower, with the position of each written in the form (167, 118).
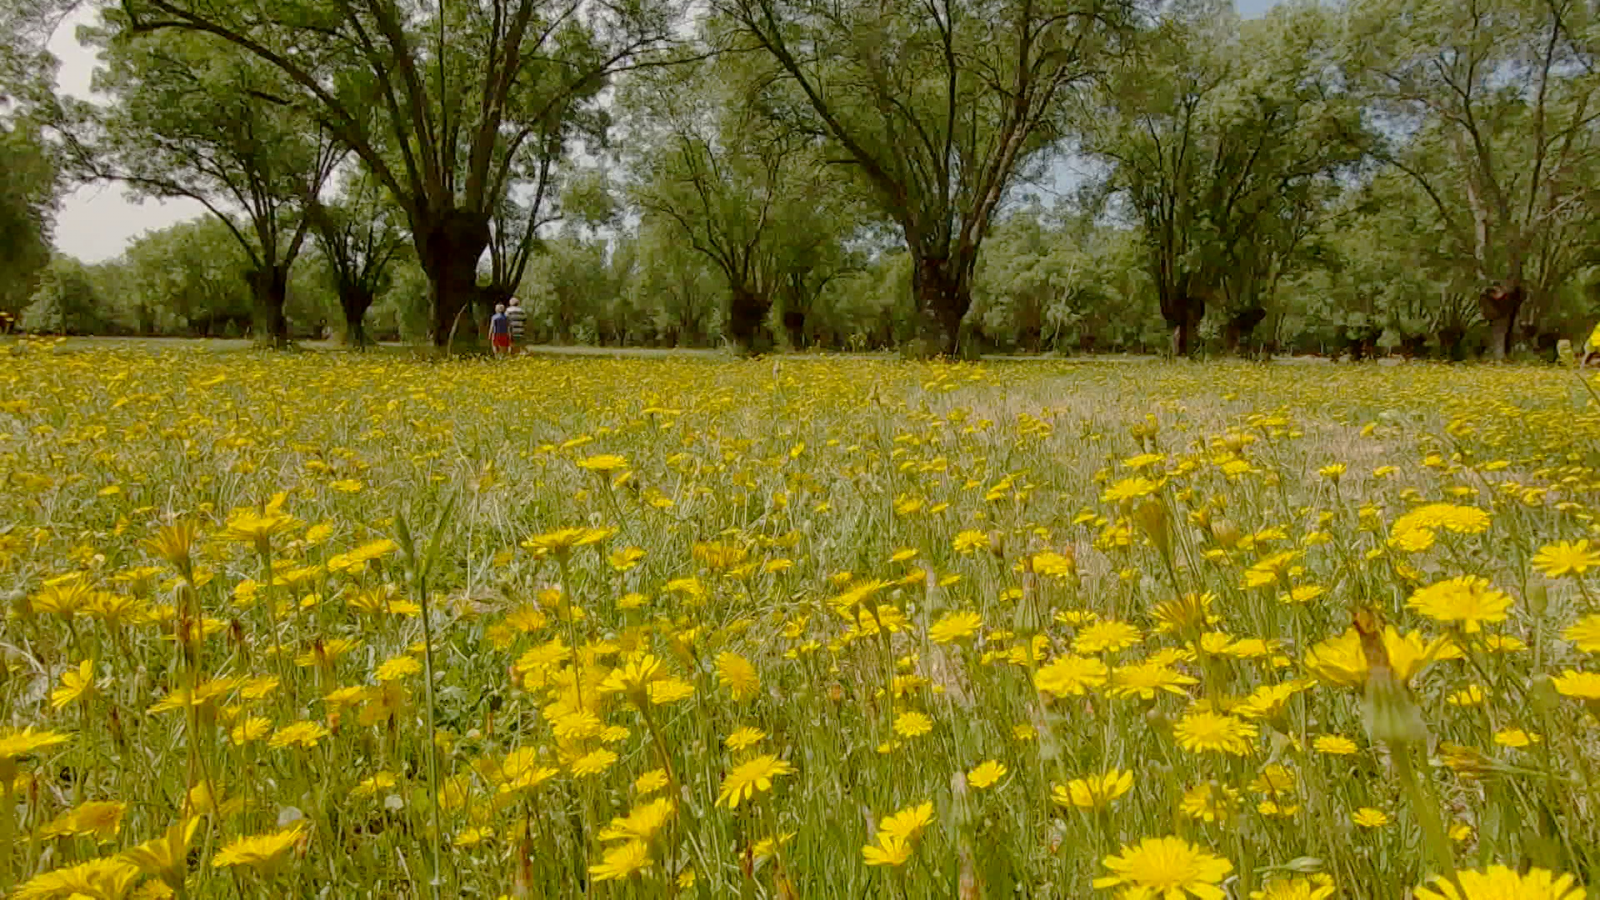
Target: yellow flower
(622, 861)
(565, 539)
(1069, 676)
(1565, 558)
(739, 675)
(1334, 745)
(252, 729)
(651, 781)
(1093, 791)
(1368, 817)
(166, 857)
(397, 668)
(888, 851)
(907, 824)
(897, 834)
(912, 724)
(670, 690)
(1501, 883)
(1144, 679)
(967, 542)
(750, 778)
(1169, 868)
(641, 823)
(1200, 732)
(1516, 738)
(1129, 489)
(16, 743)
(1341, 662)
(633, 679)
(1578, 685)
(593, 763)
(75, 684)
(744, 738)
(249, 527)
(604, 463)
(1106, 637)
(175, 543)
(986, 774)
(1585, 633)
(109, 878)
(955, 626)
(263, 852)
(99, 818)
(1467, 599)
(303, 734)
(1317, 887)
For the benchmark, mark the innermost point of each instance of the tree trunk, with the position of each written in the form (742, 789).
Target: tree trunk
(1500, 306)
(269, 288)
(747, 319)
(1241, 325)
(943, 298)
(1182, 311)
(355, 301)
(794, 325)
(450, 247)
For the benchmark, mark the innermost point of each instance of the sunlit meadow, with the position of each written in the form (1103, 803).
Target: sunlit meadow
(333, 625)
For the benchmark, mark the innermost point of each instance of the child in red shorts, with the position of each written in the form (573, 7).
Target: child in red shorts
(500, 331)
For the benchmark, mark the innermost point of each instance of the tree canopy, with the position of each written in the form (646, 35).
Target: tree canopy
(946, 176)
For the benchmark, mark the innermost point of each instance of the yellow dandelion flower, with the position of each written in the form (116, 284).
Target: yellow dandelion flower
(986, 774)
(1093, 791)
(1467, 599)
(1168, 867)
(750, 778)
(1502, 883)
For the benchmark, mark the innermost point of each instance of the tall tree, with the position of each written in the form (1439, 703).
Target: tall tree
(749, 196)
(360, 236)
(1490, 106)
(28, 171)
(191, 117)
(439, 100)
(937, 104)
(1222, 137)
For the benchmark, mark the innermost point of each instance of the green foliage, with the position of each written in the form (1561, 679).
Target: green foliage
(938, 107)
(27, 195)
(65, 302)
(752, 197)
(1222, 138)
(1490, 108)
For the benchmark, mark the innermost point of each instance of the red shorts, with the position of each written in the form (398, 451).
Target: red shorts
(500, 341)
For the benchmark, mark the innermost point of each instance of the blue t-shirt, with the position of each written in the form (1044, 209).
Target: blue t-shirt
(499, 324)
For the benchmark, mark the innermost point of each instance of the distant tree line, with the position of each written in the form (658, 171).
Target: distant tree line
(939, 176)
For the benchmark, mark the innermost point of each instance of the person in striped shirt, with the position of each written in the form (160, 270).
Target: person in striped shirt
(519, 320)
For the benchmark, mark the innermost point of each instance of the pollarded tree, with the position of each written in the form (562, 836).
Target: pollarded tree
(937, 104)
(189, 116)
(1223, 137)
(1490, 106)
(750, 197)
(438, 100)
(360, 236)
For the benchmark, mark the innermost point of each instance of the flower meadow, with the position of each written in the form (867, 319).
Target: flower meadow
(329, 625)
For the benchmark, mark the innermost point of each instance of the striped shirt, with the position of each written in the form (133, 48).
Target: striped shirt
(518, 317)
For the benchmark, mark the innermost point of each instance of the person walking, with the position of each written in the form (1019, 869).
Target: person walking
(500, 331)
(519, 322)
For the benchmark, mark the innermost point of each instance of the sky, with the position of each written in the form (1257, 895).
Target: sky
(97, 222)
